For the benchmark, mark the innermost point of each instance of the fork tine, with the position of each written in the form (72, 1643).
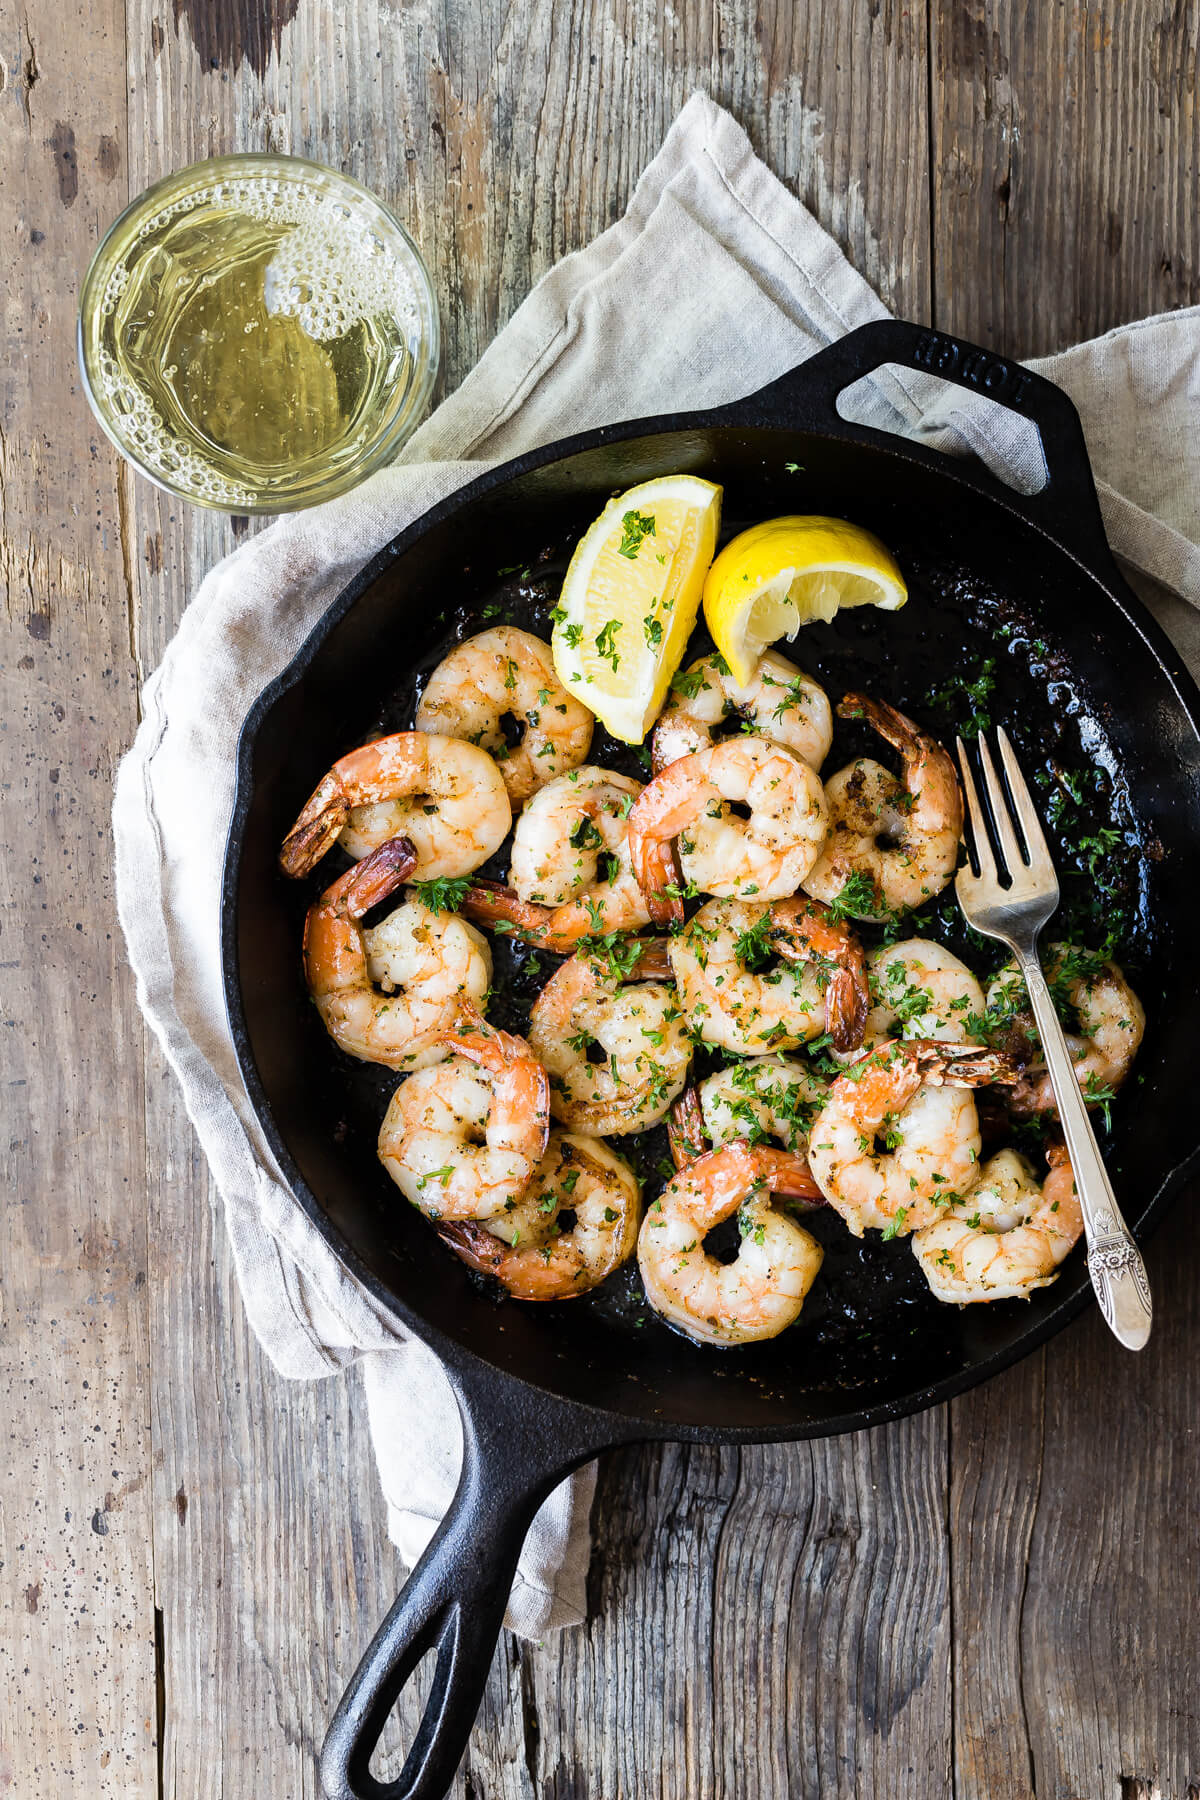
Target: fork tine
(1031, 825)
(984, 854)
(1001, 817)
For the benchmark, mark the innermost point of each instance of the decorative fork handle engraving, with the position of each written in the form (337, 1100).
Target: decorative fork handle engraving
(1113, 1258)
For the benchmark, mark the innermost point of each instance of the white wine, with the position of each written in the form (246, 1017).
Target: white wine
(252, 337)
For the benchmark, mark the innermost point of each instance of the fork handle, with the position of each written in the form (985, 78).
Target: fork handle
(1114, 1261)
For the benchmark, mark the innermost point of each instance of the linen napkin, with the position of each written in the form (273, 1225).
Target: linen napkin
(715, 281)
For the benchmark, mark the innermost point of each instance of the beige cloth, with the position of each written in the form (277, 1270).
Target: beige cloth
(715, 281)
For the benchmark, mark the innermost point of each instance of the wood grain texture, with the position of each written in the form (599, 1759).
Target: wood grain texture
(993, 1600)
(1066, 150)
(1076, 1556)
(496, 139)
(77, 1695)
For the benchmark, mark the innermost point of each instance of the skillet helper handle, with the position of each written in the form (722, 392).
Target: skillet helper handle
(1114, 1260)
(807, 397)
(453, 1603)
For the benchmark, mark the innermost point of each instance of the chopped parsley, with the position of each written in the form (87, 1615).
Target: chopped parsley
(606, 642)
(445, 895)
(636, 527)
(977, 694)
(688, 682)
(859, 896)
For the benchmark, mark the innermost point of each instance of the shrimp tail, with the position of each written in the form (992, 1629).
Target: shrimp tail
(893, 726)
(790, 1176)
(685, 1128)
(379, 875)
(477, 1247)
(961, 1065)
(656, 865)
(492, 902)
(929, 772)
(654, 962)
(805, 930)
(317, 829)
(846, 1008)
(473, 1037)
(651, 961)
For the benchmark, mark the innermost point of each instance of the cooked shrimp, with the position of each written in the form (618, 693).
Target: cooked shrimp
(508, 675)
(691, 804)
(763, 1098)
(780, 703)
(551, 1259)
(446, 796)
(1008, 1238)
(915, 1097)
(734, 999)
(629, 1023)
(766, 1097)
(762, 1291)
(806, 931)
(921, 990)
(570, 874)
(893, 844)
(388, 994)
(1110, 1018)
(463, 1139)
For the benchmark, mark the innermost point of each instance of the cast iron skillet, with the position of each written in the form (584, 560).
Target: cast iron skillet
(542, 1390)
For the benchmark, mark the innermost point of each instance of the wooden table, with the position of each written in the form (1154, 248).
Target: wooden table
(995, 1599)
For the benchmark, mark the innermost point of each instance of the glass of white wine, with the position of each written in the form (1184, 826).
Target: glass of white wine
(257, 333)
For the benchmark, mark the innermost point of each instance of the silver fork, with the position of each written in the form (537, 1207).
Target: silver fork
(1015, 915)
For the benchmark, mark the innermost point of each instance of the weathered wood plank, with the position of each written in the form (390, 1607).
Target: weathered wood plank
(1066, 141)
(77, 1688)
(1064, 157)
(1076, 1532)
(504, 143)
(732, 1592)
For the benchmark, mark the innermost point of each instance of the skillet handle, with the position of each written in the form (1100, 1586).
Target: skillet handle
(806, 397)
(454, 1600)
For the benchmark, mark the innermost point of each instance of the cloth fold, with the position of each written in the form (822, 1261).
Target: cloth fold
(715, 281)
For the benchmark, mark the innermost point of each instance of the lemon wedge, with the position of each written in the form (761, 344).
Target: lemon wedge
(776, 577)
(630, 599)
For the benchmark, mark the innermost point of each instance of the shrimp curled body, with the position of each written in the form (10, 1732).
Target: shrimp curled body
(389, 993)
(509, 674)
(915, 1097)
(613, 1042)
(766, 1097)
(763, 1098)
(445, 796)
(761, 1292)
(464, 1139)
(690, 806)
(919, 989)
(732, 1001)
(570, 874)
(781, 703)
(1008, 1238)
(892, 844)
(1110, 1023)
(530, 1250)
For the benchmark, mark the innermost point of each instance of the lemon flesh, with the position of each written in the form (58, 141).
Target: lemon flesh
(630, 598)
(769, 581)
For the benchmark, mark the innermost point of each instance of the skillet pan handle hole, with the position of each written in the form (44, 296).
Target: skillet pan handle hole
(451, 1609)
(916, 404)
